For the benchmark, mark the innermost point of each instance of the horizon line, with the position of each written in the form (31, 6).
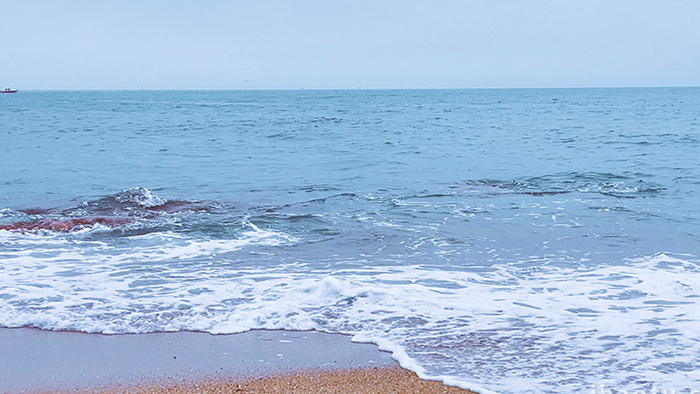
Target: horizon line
(358, 88)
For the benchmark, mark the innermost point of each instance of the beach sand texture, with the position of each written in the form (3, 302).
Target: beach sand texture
(363, 380)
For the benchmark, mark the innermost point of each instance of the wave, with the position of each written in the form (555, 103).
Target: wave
(550, 323)
(607, 184)
(138, 209)
(125, 207)
(542, 329)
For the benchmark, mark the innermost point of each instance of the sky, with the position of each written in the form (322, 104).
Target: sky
(309, 44)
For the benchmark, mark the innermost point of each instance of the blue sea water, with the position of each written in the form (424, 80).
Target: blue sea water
(543, 240)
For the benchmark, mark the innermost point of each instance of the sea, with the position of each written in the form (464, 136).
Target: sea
(518, 240)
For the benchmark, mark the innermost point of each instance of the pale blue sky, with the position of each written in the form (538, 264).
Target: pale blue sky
(159, 44)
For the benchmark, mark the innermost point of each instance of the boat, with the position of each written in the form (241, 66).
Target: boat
(8, 90)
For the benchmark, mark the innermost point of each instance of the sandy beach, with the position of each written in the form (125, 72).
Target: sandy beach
(363, 380)
(35, 360)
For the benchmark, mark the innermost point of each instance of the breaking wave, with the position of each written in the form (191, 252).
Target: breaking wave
(456, 326)
(538, 323)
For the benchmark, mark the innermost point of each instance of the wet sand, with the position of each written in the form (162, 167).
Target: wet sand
(38, 360)
(259, 361)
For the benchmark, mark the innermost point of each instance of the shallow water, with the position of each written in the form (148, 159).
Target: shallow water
(513, 240)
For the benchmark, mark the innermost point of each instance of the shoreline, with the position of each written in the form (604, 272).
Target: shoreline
(36, 360)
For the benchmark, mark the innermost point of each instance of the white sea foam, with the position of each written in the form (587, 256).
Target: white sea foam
(541, 329)
(141, 196)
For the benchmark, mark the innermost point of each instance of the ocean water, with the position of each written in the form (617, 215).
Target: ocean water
(503, 240)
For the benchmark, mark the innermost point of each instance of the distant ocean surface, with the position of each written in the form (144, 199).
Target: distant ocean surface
(508, 240)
